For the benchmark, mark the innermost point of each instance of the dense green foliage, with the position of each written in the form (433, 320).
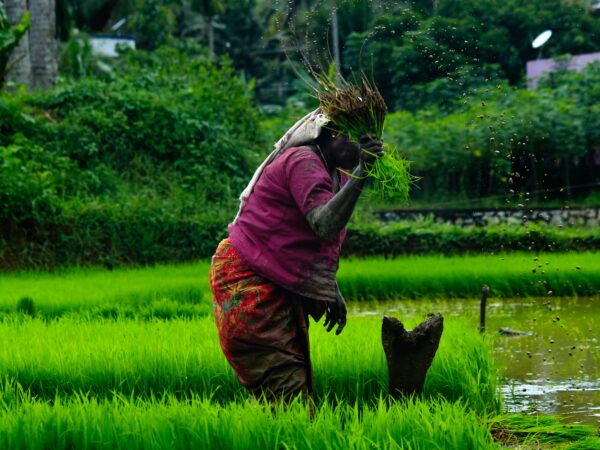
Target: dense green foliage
(142, 163)
(497, 143)
(134, 168)
(160, 291)
(435, 53)
(507, 142)
(420, 52)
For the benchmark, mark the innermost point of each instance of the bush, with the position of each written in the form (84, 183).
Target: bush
(506, 141)
(421, 238)
(137, 168)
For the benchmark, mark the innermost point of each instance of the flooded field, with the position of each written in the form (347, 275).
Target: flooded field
(553, 369)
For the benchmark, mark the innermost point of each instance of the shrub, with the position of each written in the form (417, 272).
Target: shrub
(137, 168)
(420, 238)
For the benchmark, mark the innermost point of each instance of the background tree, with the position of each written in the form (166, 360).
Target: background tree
(42, 43)
(209, 9)
(19, 62)
(10, 36)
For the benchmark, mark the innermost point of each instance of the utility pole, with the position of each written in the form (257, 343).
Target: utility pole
(42, 43)
(336, 40)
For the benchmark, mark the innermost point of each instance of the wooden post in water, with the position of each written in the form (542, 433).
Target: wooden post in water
(409, 353)
(484, 296)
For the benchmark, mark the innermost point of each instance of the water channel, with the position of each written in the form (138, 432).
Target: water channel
(554, 369)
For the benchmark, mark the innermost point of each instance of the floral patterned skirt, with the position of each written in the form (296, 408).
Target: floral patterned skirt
(262, 328)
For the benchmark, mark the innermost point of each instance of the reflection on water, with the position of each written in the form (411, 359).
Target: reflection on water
(555, 370)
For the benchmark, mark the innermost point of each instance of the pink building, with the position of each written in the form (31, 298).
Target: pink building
(536, 68)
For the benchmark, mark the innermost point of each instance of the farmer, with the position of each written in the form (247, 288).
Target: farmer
(279, 263)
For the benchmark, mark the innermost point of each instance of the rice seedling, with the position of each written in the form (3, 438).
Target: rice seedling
(99, 357)
(159, 291)
(508, 275)
(359, 109)
(196, 422)
(169, 291)
(356, 109)
(536, 430)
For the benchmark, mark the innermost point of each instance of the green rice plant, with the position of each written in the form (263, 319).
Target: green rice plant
(358, 109)
(476, 384)
(160, 291)
(183, 291)
(26, 305)
(180, 356)
(194, 422)
(386, 172)
(508, 275)
(538, 430)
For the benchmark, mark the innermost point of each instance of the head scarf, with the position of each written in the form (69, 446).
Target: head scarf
(303, 132)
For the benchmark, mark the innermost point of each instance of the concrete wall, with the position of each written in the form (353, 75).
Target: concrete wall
(588, 216)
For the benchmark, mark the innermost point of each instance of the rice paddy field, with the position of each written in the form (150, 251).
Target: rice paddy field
(130, 359)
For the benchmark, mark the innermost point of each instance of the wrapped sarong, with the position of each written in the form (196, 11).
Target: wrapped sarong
(262, 328)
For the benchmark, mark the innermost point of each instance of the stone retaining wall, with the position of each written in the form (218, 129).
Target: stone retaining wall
(587, 216)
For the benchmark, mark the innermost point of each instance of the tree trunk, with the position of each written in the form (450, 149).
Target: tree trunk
(534, 173)
(211, 37)
(19, 62)
(409, 353)
(42, 43)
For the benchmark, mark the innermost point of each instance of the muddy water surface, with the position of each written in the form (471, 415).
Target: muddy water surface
(555, 369)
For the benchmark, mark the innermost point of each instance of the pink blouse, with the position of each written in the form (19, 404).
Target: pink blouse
(272, 234)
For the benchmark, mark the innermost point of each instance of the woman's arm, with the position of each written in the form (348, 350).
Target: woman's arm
(328, 220)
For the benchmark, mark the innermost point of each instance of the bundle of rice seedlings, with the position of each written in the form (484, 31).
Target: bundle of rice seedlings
(358, 109)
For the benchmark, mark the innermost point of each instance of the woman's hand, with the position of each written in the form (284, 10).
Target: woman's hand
(336, 314)
(370, 150)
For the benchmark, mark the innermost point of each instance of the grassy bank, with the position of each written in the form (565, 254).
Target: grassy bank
(181, 357)
(182, 290)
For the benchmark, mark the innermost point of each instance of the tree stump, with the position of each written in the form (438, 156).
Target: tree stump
(409, 353)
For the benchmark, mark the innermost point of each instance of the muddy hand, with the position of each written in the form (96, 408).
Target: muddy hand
(370, 149)
(336, 314)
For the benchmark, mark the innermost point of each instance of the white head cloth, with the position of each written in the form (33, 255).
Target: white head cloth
(303, 132)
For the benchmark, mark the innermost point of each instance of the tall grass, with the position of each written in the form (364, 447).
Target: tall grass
(180, 357)
(82, 422)
(182, 290)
